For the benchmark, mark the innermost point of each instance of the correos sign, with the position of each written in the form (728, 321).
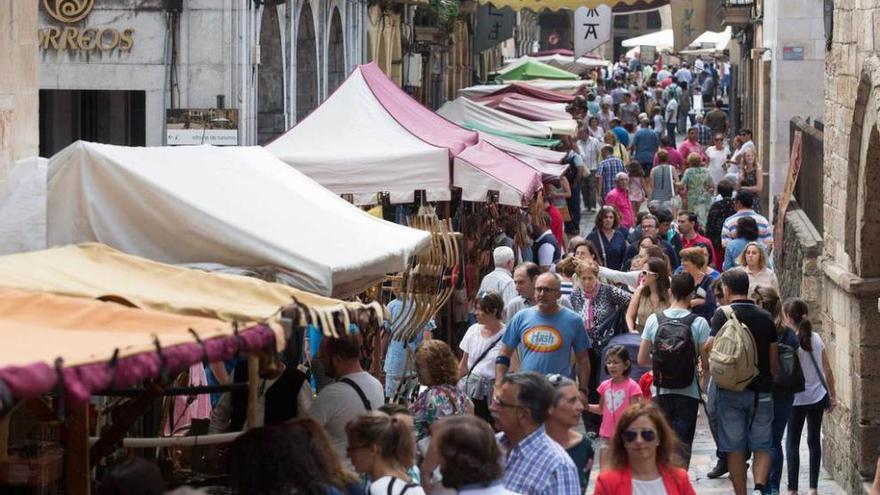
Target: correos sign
(71, 38)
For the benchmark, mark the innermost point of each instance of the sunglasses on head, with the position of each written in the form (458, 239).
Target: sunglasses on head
(630, 436)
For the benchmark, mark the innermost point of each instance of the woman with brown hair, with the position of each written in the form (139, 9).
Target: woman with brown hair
(753, 260)
(322, 450)
(468, 455)
(642, 451)
(608, 238)
(479, 347)
(383, 448)
(651, 296)
(437, 370)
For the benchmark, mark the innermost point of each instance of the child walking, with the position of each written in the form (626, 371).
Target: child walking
(615, 395)
(636, 185)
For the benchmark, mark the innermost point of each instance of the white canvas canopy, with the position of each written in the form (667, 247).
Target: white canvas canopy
(578, 66)
(567, 87)
(237, 206)
(468, 113)
(370, 137)
(352, 145)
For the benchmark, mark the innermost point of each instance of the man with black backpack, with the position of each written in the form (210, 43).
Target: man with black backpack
(742, 361)
(672, 341)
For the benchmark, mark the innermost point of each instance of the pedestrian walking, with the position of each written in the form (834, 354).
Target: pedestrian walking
(590, 149)
(561, 424)
(642, 457)
(619, 199)
(637, 184)
(651, 296)
(810, 405)
(661, 182)
(437, 370)
(753, 260)
(693, 262)
(673, 344)
(608, 238)
(615, 394)
(742, 372)
(500, 280)
(480, 346)
(536, 464)
(469, 457)
(743, 204)
(788, 380)
(699, 186)
(383, 448)
(722, 209)
(645, 144)
(524, 277)
(545, 336)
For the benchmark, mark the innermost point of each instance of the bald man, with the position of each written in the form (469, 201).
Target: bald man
(546, 335)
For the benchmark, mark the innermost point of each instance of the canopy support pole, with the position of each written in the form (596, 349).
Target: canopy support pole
(112, 436)
(253, 366)
(77, 469)
(4, 437)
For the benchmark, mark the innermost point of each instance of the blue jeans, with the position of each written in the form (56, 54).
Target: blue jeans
(781, 414)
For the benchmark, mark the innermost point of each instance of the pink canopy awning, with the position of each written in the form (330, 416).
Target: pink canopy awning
(525, 107)
(529, 90)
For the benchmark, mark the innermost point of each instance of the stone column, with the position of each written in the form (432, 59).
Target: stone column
(19, 94)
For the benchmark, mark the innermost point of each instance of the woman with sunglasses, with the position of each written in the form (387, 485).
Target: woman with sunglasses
(652, 295)
(561, 424)
(641, 456)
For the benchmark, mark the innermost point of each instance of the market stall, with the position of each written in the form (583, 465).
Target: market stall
(527, 68)
(235, 206)
(566, 62)
(474, 115)
(369, 104)
(558, 91)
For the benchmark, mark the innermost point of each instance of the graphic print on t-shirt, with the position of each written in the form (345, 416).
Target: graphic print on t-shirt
(542, 338)
(614, 399)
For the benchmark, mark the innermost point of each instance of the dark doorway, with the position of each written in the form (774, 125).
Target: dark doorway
(109, 117)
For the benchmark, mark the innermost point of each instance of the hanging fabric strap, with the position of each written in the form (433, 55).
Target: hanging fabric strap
(351, 383)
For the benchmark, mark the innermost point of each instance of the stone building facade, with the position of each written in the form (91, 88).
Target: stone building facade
(19, 131)
(852, 240)
(111, 73)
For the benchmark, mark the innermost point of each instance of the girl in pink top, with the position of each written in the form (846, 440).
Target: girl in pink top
(615, 395)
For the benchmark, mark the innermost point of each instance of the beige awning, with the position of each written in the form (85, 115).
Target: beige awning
(98, 271)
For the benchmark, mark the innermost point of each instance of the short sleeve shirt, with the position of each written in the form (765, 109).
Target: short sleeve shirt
(763, 328)
(700, 333)
(545, 341)
(616, 398)
(474, 344)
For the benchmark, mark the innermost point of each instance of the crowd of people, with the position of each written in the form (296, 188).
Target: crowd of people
(593, 348)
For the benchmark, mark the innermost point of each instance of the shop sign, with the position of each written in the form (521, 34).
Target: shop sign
(194, 126)
(73, 38)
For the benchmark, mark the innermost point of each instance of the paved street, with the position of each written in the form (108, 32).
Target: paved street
(703, 460)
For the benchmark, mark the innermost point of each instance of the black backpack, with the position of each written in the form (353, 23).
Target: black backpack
(675, 352)
(790, 376)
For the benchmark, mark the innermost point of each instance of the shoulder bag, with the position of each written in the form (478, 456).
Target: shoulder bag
(821, 380)
(475, 386)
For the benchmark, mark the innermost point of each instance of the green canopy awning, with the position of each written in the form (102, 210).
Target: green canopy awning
(532, 141)
(533, 69)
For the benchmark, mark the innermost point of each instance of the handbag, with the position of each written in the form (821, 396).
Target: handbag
(821, 380)
(605, 330)
(475, 386)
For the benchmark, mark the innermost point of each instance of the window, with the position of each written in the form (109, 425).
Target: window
(621, 21)
(652, 20)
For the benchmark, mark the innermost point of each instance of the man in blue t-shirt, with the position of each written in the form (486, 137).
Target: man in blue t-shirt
(545, 336)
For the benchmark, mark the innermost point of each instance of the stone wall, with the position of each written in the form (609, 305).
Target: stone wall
(19, 99)
(799, 259)
(851, 247)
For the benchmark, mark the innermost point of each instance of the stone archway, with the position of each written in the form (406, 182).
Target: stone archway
(270, 89)
(306, 63)
(335, 53)
(862, 224)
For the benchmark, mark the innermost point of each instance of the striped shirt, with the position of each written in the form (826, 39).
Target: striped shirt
(765, 231)
(537, 465)
(608, 169)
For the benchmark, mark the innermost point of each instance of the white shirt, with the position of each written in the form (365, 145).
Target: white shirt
(672, 110)
(814, 391)
(589, 151)
(496, 488)
(381, 487)
(474, 344)
(716, 163)
(338, 403)
(500, 282)
(653, 487)
(748, 145)
(545, 252)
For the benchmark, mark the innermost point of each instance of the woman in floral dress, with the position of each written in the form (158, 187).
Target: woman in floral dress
(699, 186)
(437, 370)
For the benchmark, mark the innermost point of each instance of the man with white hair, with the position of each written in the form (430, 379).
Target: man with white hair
(499, 280)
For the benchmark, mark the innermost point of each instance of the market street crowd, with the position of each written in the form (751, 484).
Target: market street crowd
(589, 347)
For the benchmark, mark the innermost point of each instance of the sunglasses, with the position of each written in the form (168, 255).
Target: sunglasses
(630, 436)
(555, 379)
(646, 273)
